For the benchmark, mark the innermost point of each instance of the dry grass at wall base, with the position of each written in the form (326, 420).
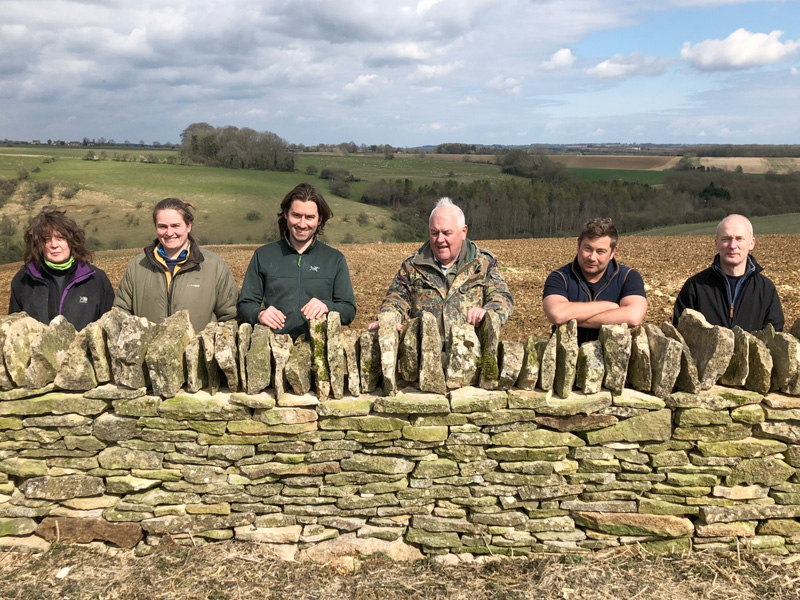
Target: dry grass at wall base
(241, 571)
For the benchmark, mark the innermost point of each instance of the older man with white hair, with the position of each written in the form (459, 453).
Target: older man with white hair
(448, 276)
(733, 291)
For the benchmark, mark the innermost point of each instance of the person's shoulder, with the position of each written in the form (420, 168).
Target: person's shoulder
(19, 275)
(563, 270)
(324, 248)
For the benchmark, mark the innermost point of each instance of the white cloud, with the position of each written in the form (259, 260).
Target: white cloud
(428, 72)
(562, 59)
(794, 71)
(740, 50)
(357, 91)
(635, 64)
(509, 85)
(467, 101)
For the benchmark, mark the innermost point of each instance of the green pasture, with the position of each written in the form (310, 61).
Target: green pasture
(115, 201)
(772, 224)
(635, 176)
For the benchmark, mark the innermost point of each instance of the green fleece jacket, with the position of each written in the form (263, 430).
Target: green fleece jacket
(279, 276)
(203, 285)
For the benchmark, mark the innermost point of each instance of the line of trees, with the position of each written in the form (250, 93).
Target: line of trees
(559, 205)
(235, 148)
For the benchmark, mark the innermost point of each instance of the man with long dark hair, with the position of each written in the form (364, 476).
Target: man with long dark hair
(298, 277)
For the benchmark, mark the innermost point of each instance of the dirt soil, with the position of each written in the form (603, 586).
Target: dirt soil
(664, 262)
(245, 571)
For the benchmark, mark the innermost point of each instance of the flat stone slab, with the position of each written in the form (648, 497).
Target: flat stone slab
(575, 403)
(715, 398)
(636, 524)
(652, 426)
(475, 399)
(203, 406)
(411, 402)
(67, 530)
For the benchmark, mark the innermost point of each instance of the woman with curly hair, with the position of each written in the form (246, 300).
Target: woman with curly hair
(58, 278)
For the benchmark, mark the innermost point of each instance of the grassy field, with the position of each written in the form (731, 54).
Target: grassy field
(788, 223)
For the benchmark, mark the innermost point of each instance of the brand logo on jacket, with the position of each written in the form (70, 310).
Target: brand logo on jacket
(314, 268)
(83, 300)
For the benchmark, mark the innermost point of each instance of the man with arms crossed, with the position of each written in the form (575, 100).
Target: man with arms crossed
(732, 291)
(448, 276)
(594, 289)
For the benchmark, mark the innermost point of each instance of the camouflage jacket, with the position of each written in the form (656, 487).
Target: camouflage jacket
(420, 285)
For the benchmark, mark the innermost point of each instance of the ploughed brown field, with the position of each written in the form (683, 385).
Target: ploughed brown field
(664, 262)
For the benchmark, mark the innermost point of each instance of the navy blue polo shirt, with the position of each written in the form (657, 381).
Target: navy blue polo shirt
(616, 283)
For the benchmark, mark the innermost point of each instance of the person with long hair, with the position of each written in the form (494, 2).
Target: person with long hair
(174, 273)
(298, 277)
(58, 278)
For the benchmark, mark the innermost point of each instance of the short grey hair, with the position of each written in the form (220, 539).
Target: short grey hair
(447, 203)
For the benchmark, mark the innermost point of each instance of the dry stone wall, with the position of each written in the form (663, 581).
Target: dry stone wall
(130, 434)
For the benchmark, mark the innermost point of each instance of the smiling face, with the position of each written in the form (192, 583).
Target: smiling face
(56, 248)
(734, 241)
(447, 236)
(302, 220)
(594, 256)
(172, 231)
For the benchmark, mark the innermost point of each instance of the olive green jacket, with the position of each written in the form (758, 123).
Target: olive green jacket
(420, 285)
(203, 285)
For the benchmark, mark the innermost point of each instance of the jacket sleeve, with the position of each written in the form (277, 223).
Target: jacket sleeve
(15, 302)
(398, 297)
(344, 300)
(683, 301)
(774, 311)
(252, 296)
(496, 295)
(106, 295)
(227, 294)
(123, 299)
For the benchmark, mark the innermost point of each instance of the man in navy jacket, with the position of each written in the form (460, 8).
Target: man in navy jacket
(732, 291)
(594, 289)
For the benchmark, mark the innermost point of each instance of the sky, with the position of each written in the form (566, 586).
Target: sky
(405, 73)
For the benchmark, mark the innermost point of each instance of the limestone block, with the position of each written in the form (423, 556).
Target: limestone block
(114, 428)
(431, 372)
(75, 372)
(62, 488)
(20, 335)
(650, 426)
(299, 367)
(226, 354)
(128, 338)
(511, 357)
(711, 346)
(258, 360)
(687, 380)
(281, 346)
(48, 351)
(369, 365)
(196, 371)
(165, 359)
(489, 336)
(785, 351)
(67, 530)
(760, 365)
(665, 361)
(768, 471)
(547, 362)
(616, 342)
(318, 329)
(243, 337)
(739, 366)
(207, 338)
(388, 341)
(408, 352)
(590, 367)
(98, 350)
(566, 358)
(336, 358)
(635, 524)
(529, 374)
(640, 368)
(463, 359)
(5, 322)
(352, 377)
